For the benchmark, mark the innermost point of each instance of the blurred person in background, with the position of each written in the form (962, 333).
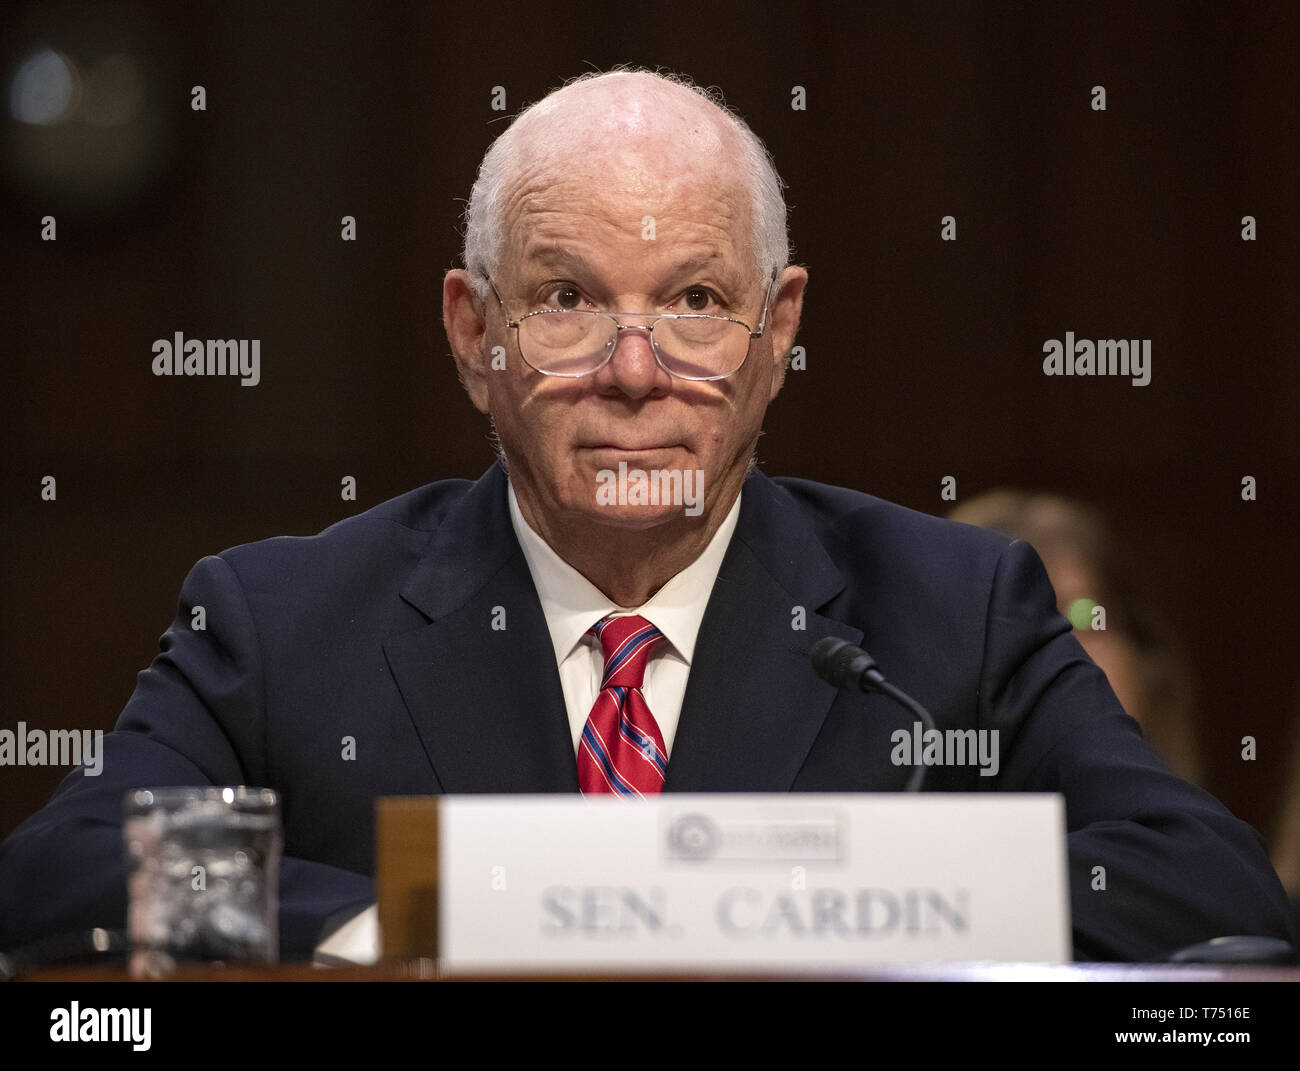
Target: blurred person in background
(1286, 827)
(1137, 650)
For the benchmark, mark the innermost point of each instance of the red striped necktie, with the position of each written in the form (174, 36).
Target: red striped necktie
(622, 750)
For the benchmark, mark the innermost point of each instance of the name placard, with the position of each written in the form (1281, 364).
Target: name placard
(685, 882)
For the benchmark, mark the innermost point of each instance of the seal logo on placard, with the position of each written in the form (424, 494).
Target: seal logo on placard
(693, 836)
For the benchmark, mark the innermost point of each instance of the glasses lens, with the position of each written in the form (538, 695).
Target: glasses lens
(566, 343)
(702, 347)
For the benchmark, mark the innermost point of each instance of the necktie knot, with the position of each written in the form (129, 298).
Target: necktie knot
(627, 643)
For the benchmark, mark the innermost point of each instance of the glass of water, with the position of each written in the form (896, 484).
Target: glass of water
(203, 869)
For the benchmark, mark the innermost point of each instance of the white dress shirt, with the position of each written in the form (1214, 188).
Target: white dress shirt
(572, 604)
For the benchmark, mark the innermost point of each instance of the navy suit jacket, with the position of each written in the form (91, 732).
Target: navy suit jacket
(381, 629)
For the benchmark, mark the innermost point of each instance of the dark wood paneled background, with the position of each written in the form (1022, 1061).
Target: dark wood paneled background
(924, 357)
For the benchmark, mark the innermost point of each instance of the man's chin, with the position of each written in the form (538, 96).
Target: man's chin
(638, 518)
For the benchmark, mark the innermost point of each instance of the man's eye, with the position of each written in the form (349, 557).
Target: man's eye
(565, 297)
(697, 299)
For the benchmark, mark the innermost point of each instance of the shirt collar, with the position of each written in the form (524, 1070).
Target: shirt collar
(572, 603)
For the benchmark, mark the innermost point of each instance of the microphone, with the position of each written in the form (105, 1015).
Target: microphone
(839, 663)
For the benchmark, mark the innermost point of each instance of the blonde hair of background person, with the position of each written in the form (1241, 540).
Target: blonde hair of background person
(1138, 651)
(1286, 828)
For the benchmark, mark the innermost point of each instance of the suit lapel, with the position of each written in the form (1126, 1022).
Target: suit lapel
(480, 679)
(753, 705)
(487, 702)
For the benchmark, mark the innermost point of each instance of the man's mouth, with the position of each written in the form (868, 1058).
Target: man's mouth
(633, 448)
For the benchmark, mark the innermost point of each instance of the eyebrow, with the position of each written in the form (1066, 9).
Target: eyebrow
(559, 256)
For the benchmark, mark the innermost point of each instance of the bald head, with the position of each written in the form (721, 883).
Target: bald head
(641, 133)
(640, 111)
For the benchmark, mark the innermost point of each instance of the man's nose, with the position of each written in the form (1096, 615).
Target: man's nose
(632, 369)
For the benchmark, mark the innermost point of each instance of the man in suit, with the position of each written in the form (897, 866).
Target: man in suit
(627, 307)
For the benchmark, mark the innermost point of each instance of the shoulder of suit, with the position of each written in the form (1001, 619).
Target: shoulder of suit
(402, 526)
(855, 519)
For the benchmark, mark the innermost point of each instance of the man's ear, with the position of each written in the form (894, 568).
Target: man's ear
(463, 319)
(783, 320)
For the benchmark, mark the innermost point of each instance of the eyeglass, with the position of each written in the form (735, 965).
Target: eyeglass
(577, 342)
